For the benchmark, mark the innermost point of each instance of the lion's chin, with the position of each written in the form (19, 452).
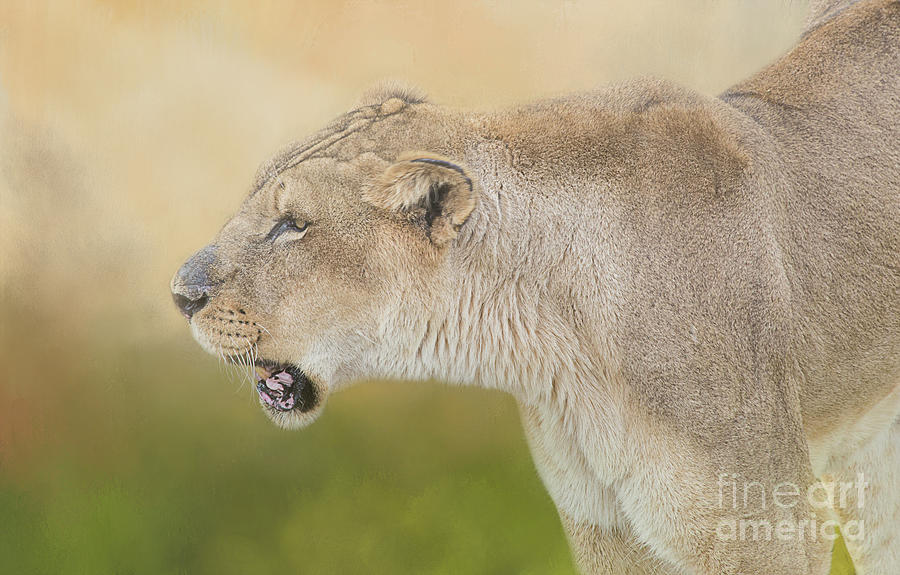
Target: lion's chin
(287, 395)
(293, 419)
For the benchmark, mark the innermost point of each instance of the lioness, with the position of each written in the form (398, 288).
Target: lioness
(695, 301)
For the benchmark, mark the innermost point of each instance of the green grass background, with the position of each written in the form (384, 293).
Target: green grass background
(109, 475)
(393, 479)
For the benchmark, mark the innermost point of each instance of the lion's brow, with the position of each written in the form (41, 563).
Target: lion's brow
(346, 125)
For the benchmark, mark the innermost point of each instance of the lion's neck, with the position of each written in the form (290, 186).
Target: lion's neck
(506, 315)
(515, 312)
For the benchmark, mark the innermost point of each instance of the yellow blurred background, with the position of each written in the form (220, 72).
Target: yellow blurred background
(129, 131)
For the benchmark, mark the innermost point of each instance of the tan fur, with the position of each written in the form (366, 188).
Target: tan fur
(672, 286)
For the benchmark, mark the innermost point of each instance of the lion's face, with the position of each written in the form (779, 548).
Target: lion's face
(301, 282)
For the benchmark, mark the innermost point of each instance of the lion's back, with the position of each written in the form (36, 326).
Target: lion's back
(832, 106)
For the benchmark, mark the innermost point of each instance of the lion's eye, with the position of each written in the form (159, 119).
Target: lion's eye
(288, 225)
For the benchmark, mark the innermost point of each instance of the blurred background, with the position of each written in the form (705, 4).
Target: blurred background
(129, 131)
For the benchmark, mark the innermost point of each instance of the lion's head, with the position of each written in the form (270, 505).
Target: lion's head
(335, 233)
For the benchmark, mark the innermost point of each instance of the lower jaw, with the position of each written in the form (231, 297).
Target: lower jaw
(293, 419)
(284, 388)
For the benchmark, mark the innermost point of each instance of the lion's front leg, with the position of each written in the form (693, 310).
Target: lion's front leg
(612, 551)
(601, 539)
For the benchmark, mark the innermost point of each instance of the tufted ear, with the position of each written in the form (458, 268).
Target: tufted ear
(433, 192)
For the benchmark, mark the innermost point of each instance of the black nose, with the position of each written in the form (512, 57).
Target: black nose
(191, 286)
(189, 306)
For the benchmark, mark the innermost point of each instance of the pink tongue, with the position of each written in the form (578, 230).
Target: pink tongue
(283, 377)
(278, 381)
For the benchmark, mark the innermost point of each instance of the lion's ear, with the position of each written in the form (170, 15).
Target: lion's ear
(434, 192)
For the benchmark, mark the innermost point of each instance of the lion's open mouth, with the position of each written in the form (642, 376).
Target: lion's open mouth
(284, 387)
